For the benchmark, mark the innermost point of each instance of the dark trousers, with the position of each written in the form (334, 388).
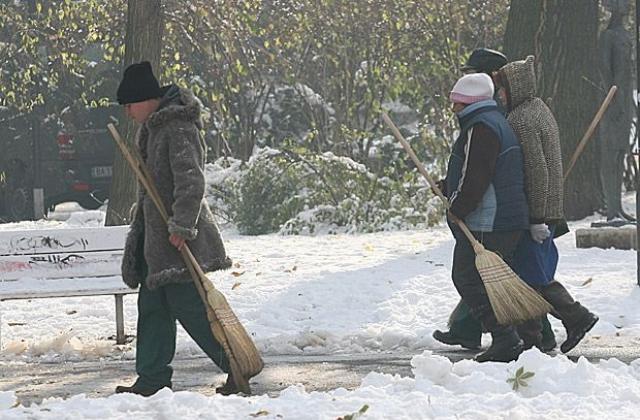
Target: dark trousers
(466, 278)
(158, 311)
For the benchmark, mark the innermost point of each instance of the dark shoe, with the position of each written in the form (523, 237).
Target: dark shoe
(505, 347)
(138, 390)
(531, 333)
(447, 337)
(547, 344)
(576, 332)
(229, 387)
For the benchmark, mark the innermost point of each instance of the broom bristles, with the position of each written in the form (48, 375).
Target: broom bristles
(513, 301)
(240, 343)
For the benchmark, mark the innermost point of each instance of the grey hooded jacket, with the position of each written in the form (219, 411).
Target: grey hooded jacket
(537, 129)
(175, 154)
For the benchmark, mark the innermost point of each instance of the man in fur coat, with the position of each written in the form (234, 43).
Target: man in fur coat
(170, 143)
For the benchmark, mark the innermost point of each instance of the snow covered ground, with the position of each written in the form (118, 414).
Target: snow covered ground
(350, 293)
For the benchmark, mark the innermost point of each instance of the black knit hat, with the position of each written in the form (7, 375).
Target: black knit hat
(484, 60)
(138, 84)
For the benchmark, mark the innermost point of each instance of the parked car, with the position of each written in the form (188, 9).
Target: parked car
(73, 163)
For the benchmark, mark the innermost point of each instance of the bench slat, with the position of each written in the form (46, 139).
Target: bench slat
(67, 293)
(60, 265)
(30, 288)
(47, 241)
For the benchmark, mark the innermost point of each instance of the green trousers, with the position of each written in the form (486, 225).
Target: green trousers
(463, 324)
(158, 311)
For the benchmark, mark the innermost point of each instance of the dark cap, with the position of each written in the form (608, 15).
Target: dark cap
(138, 84)
(484, 60)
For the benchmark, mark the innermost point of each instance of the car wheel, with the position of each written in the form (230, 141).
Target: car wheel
(20, 205)
(93, 201)
(89, 204)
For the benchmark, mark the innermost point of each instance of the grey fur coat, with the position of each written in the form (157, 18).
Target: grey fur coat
(171, 145)
(537, 129)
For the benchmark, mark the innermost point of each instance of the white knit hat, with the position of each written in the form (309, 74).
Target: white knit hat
(472, 88)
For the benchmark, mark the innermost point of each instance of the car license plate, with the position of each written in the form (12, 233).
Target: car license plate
(101, 171)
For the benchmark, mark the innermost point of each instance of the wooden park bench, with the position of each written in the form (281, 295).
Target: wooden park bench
(66, 262)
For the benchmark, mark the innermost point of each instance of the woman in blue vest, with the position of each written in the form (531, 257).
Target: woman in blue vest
(485, 187)
(464, 329)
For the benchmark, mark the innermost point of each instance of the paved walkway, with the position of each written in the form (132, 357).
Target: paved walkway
(33, 382)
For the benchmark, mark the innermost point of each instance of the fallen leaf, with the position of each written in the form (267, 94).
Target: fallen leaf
(589, 280)
(236, 265)
(237, 273)
(235, 285)
(260, 413)
(71, 312)
(258, 273)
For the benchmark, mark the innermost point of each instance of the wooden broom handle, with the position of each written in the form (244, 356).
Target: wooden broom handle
(432, 184)
(592, 127)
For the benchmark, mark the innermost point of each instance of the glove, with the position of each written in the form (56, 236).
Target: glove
(442, 185)
(540, 232)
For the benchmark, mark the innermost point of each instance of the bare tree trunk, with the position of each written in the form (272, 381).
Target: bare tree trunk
(563, 35)
(522, 25)
(143, 42)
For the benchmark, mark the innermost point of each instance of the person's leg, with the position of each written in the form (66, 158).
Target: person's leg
(531, 333)
(464, 329)
(611, 176)
(187, 307)
(156, 336)
(156, 343)
(506, 343)
(536, 264)
(576, 319)
(548, 336)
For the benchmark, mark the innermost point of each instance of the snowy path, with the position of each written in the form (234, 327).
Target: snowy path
(34, 382)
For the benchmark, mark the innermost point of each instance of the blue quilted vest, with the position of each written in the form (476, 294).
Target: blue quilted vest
(504, 204)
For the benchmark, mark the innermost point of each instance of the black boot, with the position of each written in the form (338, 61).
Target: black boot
(531, 333)
(447, 337)
(506, 346)
(577, 319)
(138, 390)
(577, 331)
(548, 337)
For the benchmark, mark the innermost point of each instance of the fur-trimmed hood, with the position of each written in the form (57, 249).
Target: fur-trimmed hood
(177, 104)
(520, 80)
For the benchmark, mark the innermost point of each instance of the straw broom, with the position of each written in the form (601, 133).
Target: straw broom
(513, 301)
(244, 358)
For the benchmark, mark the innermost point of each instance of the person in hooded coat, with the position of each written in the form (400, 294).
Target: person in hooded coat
(174, 152)
(536, 258)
